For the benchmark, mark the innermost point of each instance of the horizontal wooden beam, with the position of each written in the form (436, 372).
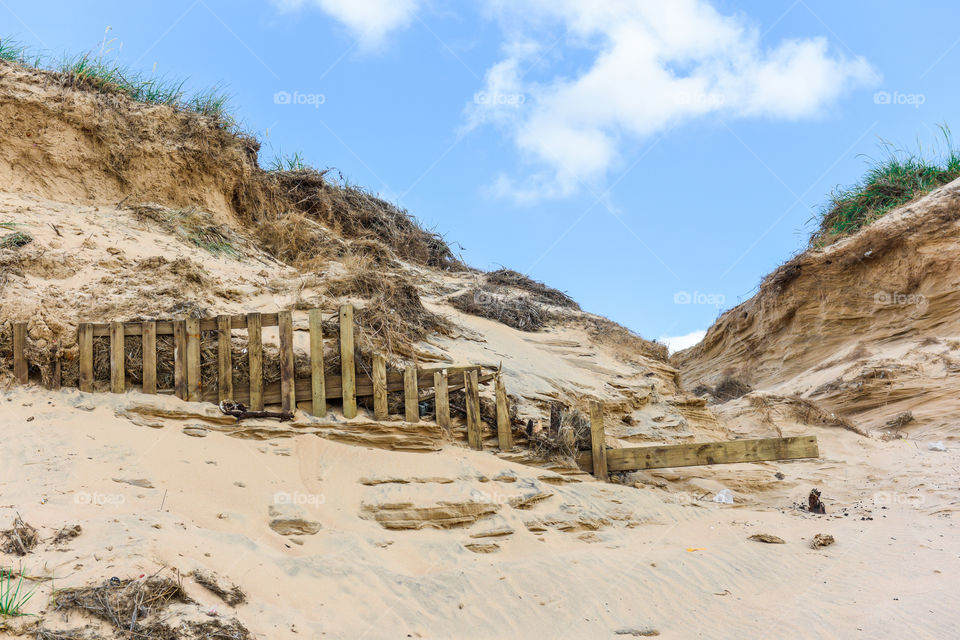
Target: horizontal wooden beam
(364, 384)
(165, 327)
(702, 453)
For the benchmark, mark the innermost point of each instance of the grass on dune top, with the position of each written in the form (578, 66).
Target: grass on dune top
(98, 73)
(897, 178)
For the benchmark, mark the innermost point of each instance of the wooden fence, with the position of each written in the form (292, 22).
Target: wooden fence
(601, 461)
(310, 393)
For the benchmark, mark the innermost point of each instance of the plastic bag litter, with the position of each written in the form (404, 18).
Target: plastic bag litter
(936, 446)
(724, 496)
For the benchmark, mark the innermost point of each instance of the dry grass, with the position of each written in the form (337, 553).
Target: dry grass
(627, 343)
(125, 603)
(355, 213)
(393, 317)
(730, 388)
(518, 312)
(571, 438)
(232, 596)
(539, 291)
(19, 539)
(298, 240)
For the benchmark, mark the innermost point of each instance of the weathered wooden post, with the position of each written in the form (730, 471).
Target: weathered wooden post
(471, 394)
(598, 441)
(441, 398)
(224, 358)
(504, 434)
(318, 385)
(255, 359)
(193, 359)
(288, 397)
(117, 373)
(148, 338)
(85, 346)
(348, 371)
(411, 397)
(380, 407)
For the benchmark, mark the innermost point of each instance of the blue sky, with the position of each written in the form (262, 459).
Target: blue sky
(653, 159)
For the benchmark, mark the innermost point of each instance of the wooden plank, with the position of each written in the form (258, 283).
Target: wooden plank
(288, 394)
(193, 359)
(703, 453)
(224, 359)
(166, 327)
(21, 370)
(380, 407)
(504, 433)
(319, 395)
(85, 347)
(363, 387)
(598, 441)
(472, 397)
(117, 373)
(442, 399)
(454, 383)
(255, 357)
(411, 398)
(180, 359)
(348, 372)
(148, 331)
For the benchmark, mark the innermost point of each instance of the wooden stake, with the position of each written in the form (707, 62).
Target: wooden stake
(180, 359)
(288, 396)
(348, 372)
(472, 399)
(441, 399)
(55, 368)
(148, 334)
(255, 356)
(318, 384)
(411, 397)
(224, 359)
(598, 441)
(117, 373)
(380, 407)
(193, 359)
(20, 368)
(504, 433)
(85, 345)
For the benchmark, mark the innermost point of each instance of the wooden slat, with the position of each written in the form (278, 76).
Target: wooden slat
(255, 356)
(598, 441)
(411, 398)
(166, 327)
(20, 368)
(380, 407)
(224, 359)
(288, 395)
(117, 373)
(441, 399)
(180, 359)
(148, 332)
(504, 434)
(85, 346)
(193, 359)
(702, 453)
(348, 371)
(319, 395)
(472, 398)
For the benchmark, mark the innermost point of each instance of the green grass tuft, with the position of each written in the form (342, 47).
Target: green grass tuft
(96, 72)
(894, 180)
(12, 600)
(292, 162)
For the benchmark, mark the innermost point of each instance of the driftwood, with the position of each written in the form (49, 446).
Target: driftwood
(239, 411)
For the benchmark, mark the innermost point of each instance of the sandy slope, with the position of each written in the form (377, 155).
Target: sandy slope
(623, 564)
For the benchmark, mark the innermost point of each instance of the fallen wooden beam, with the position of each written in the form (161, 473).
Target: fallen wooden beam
(701, 453)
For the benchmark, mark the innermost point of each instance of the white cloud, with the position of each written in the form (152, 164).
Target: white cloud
(369, 20)
(679, 343)
(650, 65)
